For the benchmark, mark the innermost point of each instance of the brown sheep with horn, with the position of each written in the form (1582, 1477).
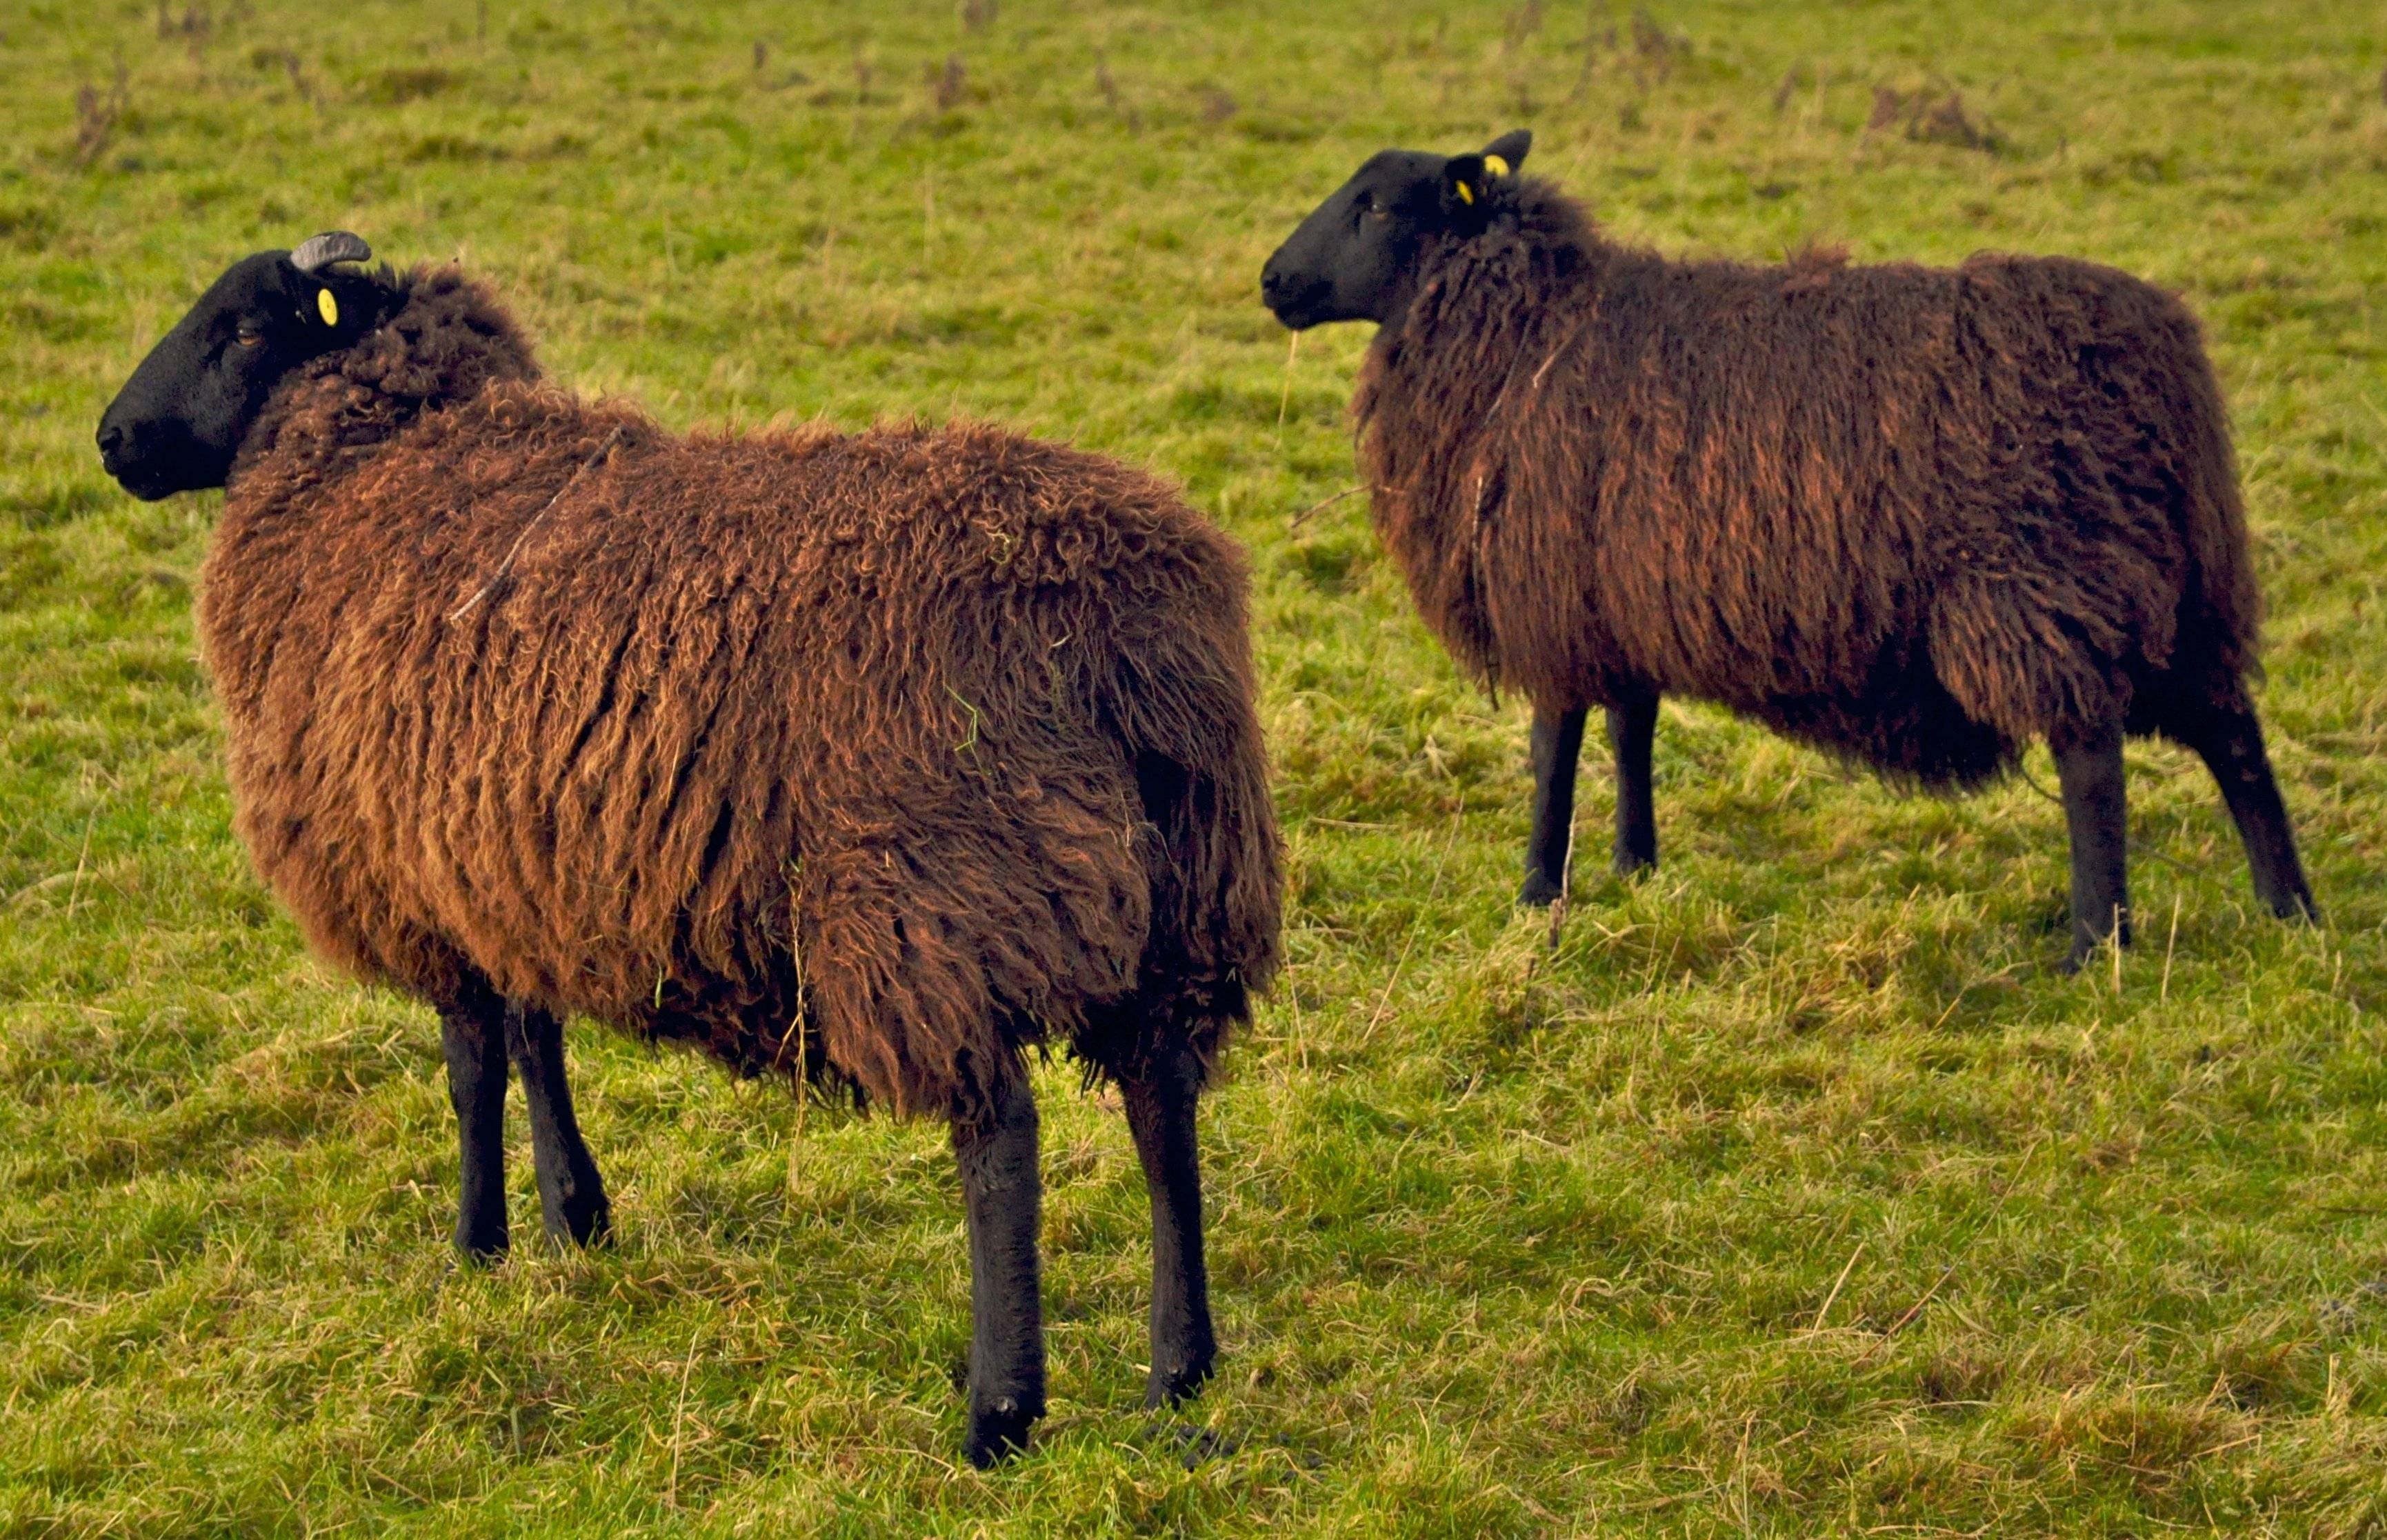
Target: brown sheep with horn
(880, 758)
(1916, 517)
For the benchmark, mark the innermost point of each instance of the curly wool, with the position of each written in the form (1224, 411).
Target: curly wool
(874, 757)
(1913, 516)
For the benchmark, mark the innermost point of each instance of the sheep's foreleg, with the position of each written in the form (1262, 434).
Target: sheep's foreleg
(1001, 1189)
(2231, 743)
(1632, 732)
(571, 1194)
(1160, 1110)
(473, 1037)
(2088, 769)
(1558, 743)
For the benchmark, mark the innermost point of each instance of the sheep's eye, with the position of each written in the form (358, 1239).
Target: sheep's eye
(247, 335)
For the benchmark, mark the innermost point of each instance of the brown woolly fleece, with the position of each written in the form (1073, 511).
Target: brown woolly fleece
(946, 734)
(1913, 516)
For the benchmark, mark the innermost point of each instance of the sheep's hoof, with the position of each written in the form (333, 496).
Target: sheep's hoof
(2296, 907)
(1632, 864)
(1169, 1386)
(999, 1429)
(579, 1222)
(480, 1250)
(2084, 949)
(1540, 890)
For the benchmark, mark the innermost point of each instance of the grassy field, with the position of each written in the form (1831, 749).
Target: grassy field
(1794, 1191)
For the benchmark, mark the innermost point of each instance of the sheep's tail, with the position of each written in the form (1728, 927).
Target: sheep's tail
(2221, 605)
(1182, 706)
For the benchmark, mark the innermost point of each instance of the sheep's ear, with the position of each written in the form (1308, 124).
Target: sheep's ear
(1507, 153)
(1465, 180)
(333, 305)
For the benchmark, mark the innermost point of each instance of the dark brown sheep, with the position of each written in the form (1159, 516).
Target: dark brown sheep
(1913, 516)
(878, 758)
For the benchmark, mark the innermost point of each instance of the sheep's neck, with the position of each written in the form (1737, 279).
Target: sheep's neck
(447, 340)
(1448, 395)
(1465, 353)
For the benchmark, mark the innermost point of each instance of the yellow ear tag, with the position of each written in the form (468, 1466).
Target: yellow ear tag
(1495, 166)
(327, 307)
(1464, 196)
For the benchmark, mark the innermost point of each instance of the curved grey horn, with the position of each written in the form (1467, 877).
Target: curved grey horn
(332, 246)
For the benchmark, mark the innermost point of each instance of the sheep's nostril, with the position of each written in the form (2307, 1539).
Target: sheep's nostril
(111, 438)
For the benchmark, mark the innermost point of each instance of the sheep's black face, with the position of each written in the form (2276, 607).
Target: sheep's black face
(179, 421)
(1354, 256)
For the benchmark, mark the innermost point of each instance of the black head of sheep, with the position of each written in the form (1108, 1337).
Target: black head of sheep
(177, 423)
(1355, 257)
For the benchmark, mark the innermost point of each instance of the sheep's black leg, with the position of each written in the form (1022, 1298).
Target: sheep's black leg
(1632, 729)
(570, 1195)
(2231, 743)
(1558, 743)
(1160, 1115)
(473, 1036)
(2089, 770)
(1006, 1362)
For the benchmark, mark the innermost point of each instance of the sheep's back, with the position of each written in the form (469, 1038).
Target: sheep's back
(1762, 476)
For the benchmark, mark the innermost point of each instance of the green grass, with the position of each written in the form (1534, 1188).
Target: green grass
(1795, 1191)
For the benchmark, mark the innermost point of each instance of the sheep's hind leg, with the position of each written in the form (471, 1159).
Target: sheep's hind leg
(1558, 743)
(2088, 769)
(2231, 743)
(1160, 1107)
(1001, 1189)
(473, 1039)
(571, 1194)
(1632, 733)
